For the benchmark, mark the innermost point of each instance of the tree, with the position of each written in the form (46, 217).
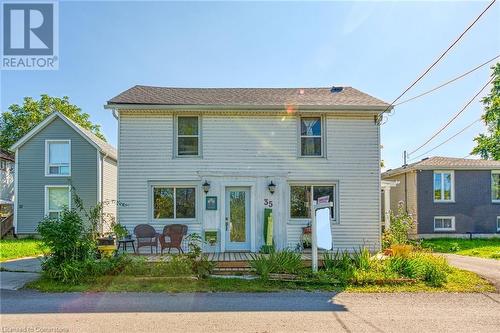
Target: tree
(20, 119)
(488, 144)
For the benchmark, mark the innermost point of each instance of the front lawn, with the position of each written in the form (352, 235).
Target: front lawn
(19, 248)
(458, 281)
(484, 248)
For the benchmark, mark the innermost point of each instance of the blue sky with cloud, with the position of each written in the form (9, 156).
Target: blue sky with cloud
(377, 47)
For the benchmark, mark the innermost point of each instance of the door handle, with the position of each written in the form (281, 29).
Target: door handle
(227, 223)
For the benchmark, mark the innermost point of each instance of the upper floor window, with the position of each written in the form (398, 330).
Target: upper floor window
(174, 202)
(301, 197)
(311, 141)
(3, 165)
(188, 136)
(495, 186)
(444, 186)
(57, 157)
(56, 199)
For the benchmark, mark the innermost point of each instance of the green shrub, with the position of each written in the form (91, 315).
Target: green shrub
(361, 258)
(286, 261)
(177, 265)
(422, 266)
(338, 260)
(400, 226)
(71, 247)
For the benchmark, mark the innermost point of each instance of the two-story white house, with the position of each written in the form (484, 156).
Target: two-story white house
(214, 159)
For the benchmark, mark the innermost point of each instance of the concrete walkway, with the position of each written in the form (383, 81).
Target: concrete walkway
(487, 268)
(16, 273)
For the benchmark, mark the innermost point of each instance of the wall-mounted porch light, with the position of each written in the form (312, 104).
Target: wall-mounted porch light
(271, 187)
(206, 186)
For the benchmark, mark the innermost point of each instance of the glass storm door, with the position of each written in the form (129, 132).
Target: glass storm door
(237, 219)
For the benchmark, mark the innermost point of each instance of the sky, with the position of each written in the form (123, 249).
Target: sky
(377, 47)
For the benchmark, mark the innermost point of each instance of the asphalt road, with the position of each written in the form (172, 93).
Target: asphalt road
(234, 312)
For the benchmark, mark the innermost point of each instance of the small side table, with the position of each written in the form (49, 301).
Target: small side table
(123, 243)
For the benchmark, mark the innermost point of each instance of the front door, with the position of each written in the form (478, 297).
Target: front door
(237, 219)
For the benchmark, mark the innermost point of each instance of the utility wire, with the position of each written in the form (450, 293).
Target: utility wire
(452, 118)
(440, 57)
(449, 139)
(448, 82)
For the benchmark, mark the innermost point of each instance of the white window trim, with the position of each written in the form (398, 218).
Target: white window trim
(47, 187)
(498, 223)
(452, 173)
(445, 217)
(494, 172)
(175, 218)
(176, 136)
(300, 136)
(47, 165)
(335, 218)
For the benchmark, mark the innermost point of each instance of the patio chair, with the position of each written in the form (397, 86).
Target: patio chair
(175, 233)
(146, 235)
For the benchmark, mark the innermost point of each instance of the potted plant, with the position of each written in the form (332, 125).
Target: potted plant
(121, 231)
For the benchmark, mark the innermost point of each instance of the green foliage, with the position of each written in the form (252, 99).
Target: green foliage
(488, 144)
(71, 246)
(20, 119)
(177, 265)
(422, 266)
(201, 266)
(400, 226)
(120, 230)
(286, 261)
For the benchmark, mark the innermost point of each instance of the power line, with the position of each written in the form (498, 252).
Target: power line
(449, 139)
(452, 118)
(448, 82)
(440, 57)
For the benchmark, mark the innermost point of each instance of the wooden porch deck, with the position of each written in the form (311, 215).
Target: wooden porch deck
(231, 260)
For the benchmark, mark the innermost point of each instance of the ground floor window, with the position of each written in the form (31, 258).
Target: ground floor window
(301, 197)
(444, 223)
(174, 202)
(498, 223)
(56, 199)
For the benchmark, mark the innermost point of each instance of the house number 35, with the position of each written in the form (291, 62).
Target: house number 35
(268, 203)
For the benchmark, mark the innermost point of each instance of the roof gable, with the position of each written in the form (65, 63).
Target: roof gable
(98, 143)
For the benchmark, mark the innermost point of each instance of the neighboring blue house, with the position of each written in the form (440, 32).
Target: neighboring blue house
(449, 196)
(52, 157)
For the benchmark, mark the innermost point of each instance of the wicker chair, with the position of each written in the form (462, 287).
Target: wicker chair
(176, 233)
(146, 235)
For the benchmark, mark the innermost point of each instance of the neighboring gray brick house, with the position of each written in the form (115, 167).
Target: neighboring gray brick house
(449, 196)
(55, 154)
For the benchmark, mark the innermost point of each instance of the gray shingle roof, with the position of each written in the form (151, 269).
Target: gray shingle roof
(147, 95)
(449, 163)
(105, 147)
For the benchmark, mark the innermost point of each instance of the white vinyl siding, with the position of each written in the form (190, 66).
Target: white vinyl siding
(444, 186)
(56, 199)
(444, 223)
(58, 158)
(257, 147)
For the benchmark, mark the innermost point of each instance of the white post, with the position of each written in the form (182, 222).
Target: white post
(314, 240)
(387, 206)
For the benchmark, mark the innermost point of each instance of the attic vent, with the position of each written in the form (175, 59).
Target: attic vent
(336, 89)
